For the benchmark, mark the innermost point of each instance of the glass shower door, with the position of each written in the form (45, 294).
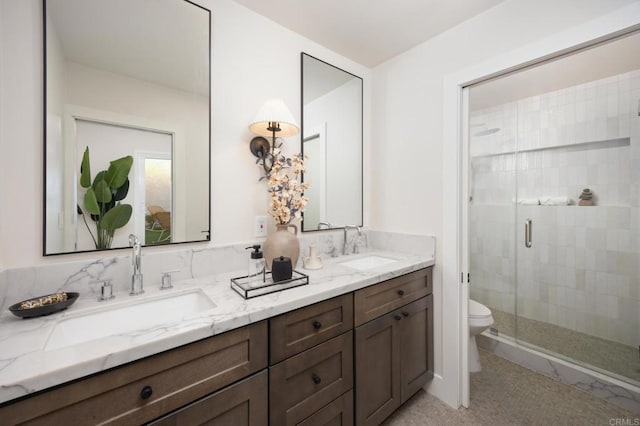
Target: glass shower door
(554, 222)
(492, 210)
(577, 282)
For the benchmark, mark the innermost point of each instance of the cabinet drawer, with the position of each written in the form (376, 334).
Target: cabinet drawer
(296, 331)
(379, 299)
(337, 413)
(301, 385)
(242, 404)
(146, 389)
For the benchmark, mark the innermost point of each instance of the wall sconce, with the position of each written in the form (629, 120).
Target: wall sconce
(273, 120)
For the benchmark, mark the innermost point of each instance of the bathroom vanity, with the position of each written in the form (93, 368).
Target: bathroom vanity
(302, 356)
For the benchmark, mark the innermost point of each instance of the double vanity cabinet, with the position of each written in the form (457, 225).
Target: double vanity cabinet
(352, 359)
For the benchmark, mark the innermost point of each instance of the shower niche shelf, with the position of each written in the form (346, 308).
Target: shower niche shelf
(580, 146)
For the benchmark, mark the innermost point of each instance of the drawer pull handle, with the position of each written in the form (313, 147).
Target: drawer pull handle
(317, 325)
(316, 379)
(397, 317)
(405, 313)
(400, 292)
(146, 392)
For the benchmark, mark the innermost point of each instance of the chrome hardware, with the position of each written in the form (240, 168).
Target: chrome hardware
(106, 290)
(136, 259)
(166, 279)
(527, 233)
(345, 248)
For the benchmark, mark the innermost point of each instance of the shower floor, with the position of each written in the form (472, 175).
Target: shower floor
(614, 357)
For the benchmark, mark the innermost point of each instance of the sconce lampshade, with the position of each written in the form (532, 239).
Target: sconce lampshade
(274, 111)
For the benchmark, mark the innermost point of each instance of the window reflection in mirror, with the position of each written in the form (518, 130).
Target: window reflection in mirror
(332, 143)
(127, 78)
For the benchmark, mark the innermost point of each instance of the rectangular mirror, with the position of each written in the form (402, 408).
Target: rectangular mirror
(127, 92)
(332, 143)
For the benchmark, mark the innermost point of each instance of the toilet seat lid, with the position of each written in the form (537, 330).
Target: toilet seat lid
(478, 310)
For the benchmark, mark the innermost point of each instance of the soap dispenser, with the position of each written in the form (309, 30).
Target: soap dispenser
(257, 265)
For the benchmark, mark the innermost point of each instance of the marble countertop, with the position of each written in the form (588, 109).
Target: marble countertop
(26, 366)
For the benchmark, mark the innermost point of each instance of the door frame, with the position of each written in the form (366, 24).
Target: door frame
(455, 246)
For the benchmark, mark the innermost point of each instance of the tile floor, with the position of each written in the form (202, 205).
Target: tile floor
(508, 394)
(619, 359)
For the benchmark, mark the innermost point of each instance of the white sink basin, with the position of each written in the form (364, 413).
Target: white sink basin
(368, 262)
(126, 318)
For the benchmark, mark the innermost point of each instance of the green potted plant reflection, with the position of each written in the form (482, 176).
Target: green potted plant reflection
(103, 196)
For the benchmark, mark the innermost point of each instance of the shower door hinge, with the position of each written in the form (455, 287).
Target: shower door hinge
(462, 277)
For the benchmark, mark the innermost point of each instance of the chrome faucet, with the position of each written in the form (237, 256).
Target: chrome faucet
(326, 225)
(136, 278)
(345, 248)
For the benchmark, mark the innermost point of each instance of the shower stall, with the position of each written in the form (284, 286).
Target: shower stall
(554, 198)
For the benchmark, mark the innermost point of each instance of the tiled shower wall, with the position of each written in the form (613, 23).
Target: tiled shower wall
(582, 271)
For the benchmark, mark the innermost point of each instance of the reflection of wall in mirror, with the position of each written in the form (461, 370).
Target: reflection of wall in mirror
(340, 109)
(106, 143)
(157, 177)
(111, 92)
(316, 175)
(56, 217)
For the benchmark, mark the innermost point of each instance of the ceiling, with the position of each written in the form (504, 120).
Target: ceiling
(166, 45)
(369, 31)
(614, 57)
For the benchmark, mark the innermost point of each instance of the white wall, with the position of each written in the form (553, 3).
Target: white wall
(407, 128)
(336, 113)
(253, 59)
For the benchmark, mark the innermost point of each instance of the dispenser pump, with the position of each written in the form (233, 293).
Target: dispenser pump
(257, 265)
(256, 253)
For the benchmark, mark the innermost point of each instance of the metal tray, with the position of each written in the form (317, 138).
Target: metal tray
(249, 289)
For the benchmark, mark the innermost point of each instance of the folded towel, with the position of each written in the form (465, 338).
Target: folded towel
(555, 201)
(526, 201)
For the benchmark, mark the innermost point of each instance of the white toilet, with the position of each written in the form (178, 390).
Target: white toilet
(479, 320)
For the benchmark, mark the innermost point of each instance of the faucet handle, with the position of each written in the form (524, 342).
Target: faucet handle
(106, 290)
(166, 279)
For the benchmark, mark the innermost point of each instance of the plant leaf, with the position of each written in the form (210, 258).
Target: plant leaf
(118, 171)
(91, 203)
(85, 170)
(99, 177)
(116, 218)
(102, 191)
(120, 193)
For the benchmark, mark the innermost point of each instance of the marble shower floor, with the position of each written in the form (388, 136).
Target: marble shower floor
(617, 358)
(504, 393)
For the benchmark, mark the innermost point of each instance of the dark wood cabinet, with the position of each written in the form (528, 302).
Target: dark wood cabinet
(296, 331)
(394, 359)
(338, 413)
(144, 390)
(242, 404)
(377, 370)
(379, 299)
(303, 384)
(416, 342)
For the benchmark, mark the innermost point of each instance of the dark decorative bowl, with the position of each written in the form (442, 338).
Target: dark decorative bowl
(44, 309)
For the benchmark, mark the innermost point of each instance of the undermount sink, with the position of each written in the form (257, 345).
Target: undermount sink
(368, 262)
(136, 315)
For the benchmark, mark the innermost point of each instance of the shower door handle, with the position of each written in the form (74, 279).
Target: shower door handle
(527, 233)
